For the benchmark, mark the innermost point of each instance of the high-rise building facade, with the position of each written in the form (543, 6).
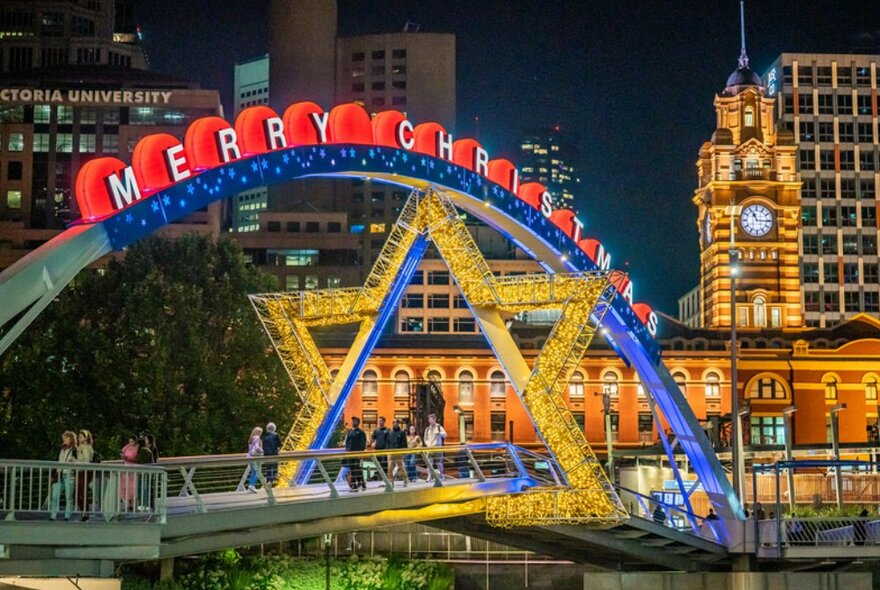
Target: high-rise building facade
(251, 87)
(56, 114)
(550, 156)
(829, 102)
(40, 34)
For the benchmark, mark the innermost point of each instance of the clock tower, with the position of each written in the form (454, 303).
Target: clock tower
(748, 203)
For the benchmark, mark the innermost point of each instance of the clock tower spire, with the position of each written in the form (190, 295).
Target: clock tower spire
(748, 203)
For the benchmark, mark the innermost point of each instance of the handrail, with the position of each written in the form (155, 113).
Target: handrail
(700, 526)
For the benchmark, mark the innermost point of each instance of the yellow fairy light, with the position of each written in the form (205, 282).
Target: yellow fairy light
(581, 297)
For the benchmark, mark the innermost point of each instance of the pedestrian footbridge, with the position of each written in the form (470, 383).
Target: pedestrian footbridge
(192, 505)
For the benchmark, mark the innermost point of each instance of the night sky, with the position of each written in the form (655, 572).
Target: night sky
(632, 79)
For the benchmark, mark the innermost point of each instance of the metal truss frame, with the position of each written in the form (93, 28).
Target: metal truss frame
(582, 297)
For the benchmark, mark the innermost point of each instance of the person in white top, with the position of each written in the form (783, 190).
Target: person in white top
(255, 449)
(435, 436)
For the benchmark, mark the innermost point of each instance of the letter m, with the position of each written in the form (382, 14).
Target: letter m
(125, 191)
(603, 258)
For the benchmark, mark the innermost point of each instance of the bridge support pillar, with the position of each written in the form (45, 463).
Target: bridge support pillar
(166, 569)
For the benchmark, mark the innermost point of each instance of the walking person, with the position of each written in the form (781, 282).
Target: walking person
(356, 440)
(395, 461)
(62, 478)
(435, 436)
(144, 457)
(128, 479)
(413, 441)
(255, 449)
(380, 439)
(84, 454)
(154, 450)
(659, 515)
(271, 447)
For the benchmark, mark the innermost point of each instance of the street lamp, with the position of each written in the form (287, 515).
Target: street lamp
(835, 447)
(787, 413)
(735, 434)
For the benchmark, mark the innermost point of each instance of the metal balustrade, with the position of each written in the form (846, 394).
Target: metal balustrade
(222, 482)
(31, 490)
(116, 492)
(798, 532)
(670, 515)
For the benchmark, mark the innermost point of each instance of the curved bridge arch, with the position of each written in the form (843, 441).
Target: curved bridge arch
(31, 283)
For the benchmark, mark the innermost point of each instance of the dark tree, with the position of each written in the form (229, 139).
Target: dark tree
(164, 341)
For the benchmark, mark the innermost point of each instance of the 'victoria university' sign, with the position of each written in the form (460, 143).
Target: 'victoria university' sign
(85, 96)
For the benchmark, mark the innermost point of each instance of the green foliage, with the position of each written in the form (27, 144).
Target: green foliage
(226, 571)
(163, 341)
(827, 510)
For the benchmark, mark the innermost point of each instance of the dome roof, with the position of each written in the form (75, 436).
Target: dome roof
(743, 76)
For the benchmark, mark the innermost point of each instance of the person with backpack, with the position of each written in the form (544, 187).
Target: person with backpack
(271, 447)
(356, 440)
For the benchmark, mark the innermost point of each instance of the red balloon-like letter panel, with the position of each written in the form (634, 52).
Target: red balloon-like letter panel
(92, 193)
(425, 135)
(564, 220)
(200, 141)
(299, 126)
(531, 193)
(502, 172)
(463, 152)
(250, 130)
(349, 123)
(385, 128)
(150, 166)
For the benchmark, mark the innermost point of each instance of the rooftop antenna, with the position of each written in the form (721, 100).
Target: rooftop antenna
(743, 58)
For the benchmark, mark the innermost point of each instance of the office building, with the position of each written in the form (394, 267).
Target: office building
(829, 102)
(550, 156)
(251, 87)
(58, 113)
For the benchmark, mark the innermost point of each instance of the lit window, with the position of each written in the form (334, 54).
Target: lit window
(576, 385)
(680, 380)
(610, 384)
(871, 390)
(497, 385)
(750, 117)
(713, 385)
(466, 387)
(767, 388)
(370, 384)
(16, 142)
(760, 312)
(401, 384)
(831, 390)
(13, 199)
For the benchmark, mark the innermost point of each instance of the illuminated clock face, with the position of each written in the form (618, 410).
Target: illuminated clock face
(756, 220)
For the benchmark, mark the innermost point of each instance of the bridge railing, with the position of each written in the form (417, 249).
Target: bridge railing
(39, 490)
(218, 482)
(783, 533)
(670, 515)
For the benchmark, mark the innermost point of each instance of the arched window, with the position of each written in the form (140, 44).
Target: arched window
(760, 312)
(713, 385)
(497, 384)
(370, 383)
(871, 389)
(831, 389)
(749, 119)
(434, 376)
(640, 390)
(766, 387)
(610, 383)
(466, 387)
(680, 380)
(401, 384)
(576, 385)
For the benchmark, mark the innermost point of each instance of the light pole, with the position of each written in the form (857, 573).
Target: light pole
(461, 433)
(609, 444)
(835, 447)
(787, 413)
(738, 466)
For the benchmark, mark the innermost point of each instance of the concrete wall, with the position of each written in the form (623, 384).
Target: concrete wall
(728, 581)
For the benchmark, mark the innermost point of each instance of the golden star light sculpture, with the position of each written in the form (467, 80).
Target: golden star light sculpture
(582, 298)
